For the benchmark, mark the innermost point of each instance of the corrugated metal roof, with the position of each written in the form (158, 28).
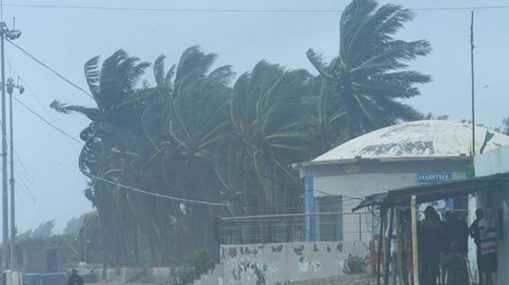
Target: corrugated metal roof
(433, 192)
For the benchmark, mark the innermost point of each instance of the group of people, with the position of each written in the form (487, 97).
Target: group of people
(443, 247)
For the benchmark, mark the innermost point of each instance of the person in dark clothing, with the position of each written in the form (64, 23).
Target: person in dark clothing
(474, 233)
(75, 279)
(430, 244)
(455, 266)
(457, 231)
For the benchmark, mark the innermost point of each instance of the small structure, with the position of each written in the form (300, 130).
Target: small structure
(43, 259)
(404, 155)
(490, 188)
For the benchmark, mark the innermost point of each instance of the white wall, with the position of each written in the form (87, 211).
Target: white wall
(492, 162)
(363, 184)
(285, 262)
(489, 163)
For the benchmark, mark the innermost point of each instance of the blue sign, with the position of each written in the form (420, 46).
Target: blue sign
(433, 177)
(443, 205)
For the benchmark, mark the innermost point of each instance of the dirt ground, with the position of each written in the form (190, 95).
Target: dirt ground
(354, 279)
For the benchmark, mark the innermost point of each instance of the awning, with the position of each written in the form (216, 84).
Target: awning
(433, 192)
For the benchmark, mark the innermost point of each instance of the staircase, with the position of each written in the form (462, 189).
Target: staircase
(214, 277)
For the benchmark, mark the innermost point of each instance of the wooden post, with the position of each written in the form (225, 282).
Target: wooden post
(413, 205)
(388, 248)
(360, 228)
(399, 248)
(380, 242)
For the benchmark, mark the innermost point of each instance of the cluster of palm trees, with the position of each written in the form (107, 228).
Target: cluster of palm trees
(201, 134)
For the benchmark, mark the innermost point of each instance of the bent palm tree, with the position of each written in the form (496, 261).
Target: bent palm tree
(270, 118)
(112, 139)
(369, 75)
(185, 127)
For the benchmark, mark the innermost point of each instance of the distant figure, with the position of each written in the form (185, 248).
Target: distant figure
(75, 279)
(455, 265)
(474, 233)
(489, 263)
(430, 244)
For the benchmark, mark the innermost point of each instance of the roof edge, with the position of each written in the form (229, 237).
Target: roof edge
(299, 165)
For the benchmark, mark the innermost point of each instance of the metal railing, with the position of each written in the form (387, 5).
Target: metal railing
(280, 228)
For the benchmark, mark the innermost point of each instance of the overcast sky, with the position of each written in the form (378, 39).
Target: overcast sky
(49, 185)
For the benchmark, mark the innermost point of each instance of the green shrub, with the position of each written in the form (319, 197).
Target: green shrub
(201, 260)
(354, 264)
(183, 275)
(194, 265)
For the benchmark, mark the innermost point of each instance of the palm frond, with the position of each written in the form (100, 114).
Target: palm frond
(159, 71)
(63, 108)
(92, 75)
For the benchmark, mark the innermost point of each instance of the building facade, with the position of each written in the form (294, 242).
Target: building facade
(398, 156)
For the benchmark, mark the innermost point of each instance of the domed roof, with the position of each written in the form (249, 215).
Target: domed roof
(428, 138)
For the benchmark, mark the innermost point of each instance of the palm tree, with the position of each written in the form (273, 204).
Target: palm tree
(271, 120)
(365, 82)
(185, 127)
(112, 139)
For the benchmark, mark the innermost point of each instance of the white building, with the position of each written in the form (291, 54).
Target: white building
(492, 163)
(394, 157)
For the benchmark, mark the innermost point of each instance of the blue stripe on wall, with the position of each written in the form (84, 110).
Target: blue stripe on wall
(310, 209)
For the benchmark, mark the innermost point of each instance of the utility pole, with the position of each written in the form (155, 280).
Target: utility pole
(10, 89)
(5, 33)
(473, 85)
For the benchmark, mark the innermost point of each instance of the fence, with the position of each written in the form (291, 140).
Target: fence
(330, 226)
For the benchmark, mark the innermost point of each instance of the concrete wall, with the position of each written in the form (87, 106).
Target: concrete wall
(123, 275)
(492, 162)
(158, 275)
(280, 263)
(489, 163)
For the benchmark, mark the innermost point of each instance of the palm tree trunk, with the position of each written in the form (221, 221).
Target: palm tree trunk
(349, 126)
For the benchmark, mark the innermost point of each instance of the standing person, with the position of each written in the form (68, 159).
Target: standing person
(455, 265)
(430, 245)
(75, 279)
(394, 254)
(488, 232)
(474, 233)
(458, 232)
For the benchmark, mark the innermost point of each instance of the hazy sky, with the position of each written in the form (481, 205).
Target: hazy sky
(50, 185)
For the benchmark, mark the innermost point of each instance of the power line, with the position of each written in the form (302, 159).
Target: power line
(26, 189)
(173, 10)
(157, 194)
(460, 8)
(114, 183)
(47, 122)
(31, 91)
(195, 10)
(50, 69)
